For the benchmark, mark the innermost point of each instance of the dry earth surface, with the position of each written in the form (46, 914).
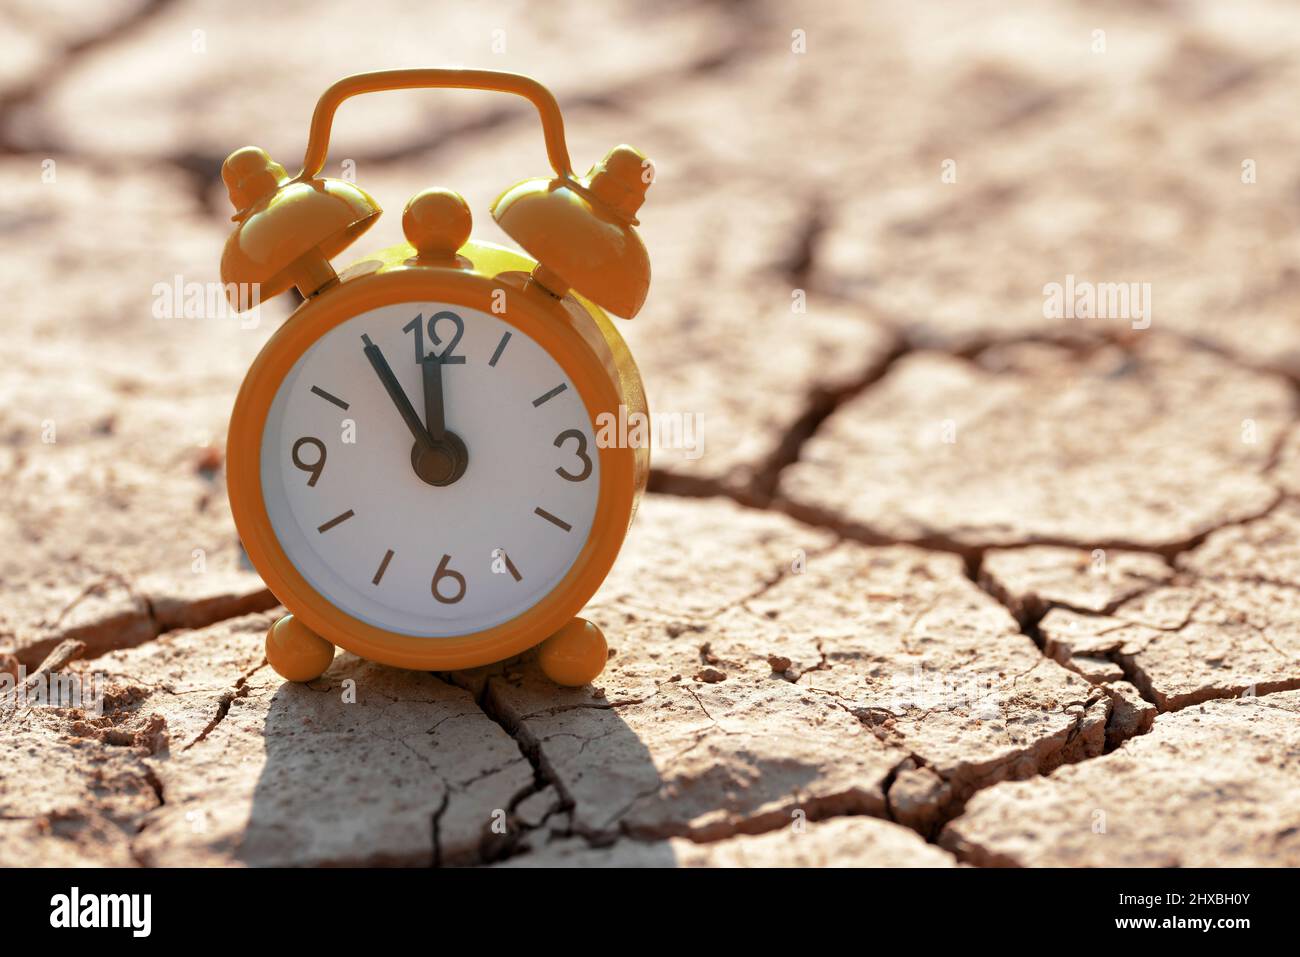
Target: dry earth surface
(952, 583)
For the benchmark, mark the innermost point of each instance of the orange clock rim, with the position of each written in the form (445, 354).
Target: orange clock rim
(566, 346)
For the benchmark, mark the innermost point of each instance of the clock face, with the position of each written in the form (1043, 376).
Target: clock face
(434, 498)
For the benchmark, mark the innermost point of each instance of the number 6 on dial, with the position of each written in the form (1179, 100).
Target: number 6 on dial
(445, 572)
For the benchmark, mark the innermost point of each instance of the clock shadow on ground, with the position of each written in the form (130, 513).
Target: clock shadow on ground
(372, 765)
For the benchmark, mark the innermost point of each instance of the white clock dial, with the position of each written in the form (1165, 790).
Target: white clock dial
(380, 542)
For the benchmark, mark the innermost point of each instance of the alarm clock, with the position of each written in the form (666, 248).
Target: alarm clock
(414, 462)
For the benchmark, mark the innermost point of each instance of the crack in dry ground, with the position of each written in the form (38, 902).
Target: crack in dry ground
(144, 622)
(61, 61)
(1031, 615)
(239, 689)
(499, 847)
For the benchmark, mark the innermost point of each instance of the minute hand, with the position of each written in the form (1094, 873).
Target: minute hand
(394, 389)
(435, 419)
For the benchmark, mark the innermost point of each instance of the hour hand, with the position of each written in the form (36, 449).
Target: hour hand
(394, 390)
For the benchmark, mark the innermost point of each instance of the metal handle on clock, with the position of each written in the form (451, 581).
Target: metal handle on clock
(322, 119)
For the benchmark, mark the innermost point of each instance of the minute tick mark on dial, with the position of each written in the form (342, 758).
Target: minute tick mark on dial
(317, 390)
(552, 519)
(501, 347)
(550, 395)
(510, 566)
(383, 567)
(336, 520)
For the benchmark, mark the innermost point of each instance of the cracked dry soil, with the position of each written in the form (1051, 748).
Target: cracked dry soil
(952, 583)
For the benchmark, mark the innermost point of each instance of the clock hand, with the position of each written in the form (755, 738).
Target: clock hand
(394, 389)
(434, 418)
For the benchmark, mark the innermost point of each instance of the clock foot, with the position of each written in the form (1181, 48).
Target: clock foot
(296, 652)
(575, 654)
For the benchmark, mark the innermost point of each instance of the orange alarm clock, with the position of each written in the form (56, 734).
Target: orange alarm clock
(412, 463)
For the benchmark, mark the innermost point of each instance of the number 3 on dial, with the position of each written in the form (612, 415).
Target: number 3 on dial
(581, 453)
